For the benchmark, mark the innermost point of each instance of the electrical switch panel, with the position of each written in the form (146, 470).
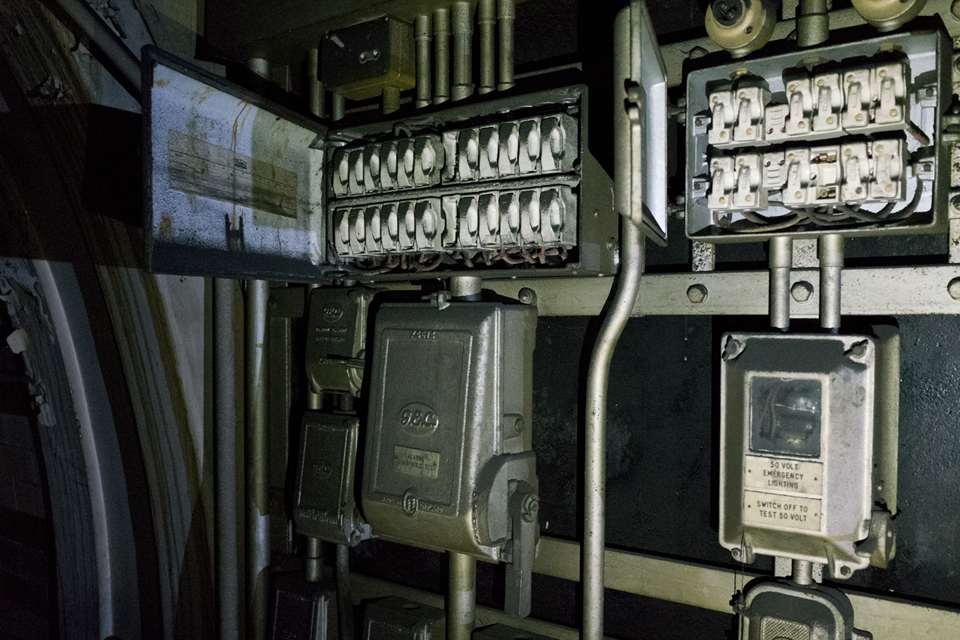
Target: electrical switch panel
(504, 187)
(448, 462)
(808, 463)
(837, 137)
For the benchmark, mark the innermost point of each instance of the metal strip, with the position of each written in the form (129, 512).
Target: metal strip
(683, 582)
(873, 291)
(711, 588)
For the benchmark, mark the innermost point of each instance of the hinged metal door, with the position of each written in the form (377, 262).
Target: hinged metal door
(234, 182)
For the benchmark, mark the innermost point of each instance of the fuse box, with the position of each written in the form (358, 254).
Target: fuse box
(843, 137)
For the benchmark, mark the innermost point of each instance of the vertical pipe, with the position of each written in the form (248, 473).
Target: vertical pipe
(338, 107)
(258, 515)
(441, 44)
(314, 560)
(314, 88)
(803, 572)
(462, 17)
(256, 472)
(830, 252)
(391, 99)
(487, 21)
(461, 596)
(423, 33)
(506, 14)
(628, 285)
(344, 608)
(228, 584)
(813, 23)
(781, 259)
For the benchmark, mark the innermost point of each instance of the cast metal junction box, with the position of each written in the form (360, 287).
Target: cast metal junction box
(324, 503)
(808, 448)
(448, 464)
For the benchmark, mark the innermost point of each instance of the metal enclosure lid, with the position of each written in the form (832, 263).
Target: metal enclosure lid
(233, 182)
(450, 395)
(640, 122)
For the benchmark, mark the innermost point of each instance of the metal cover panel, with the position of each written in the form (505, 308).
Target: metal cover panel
(814, 496)
(233, 185)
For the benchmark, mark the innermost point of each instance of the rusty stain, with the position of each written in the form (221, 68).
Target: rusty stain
(161, 82)
(165, 228)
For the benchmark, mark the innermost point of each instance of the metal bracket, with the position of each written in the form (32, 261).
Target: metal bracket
(522, 547)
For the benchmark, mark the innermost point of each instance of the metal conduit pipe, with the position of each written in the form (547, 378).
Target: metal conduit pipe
(624, 299)
(441, 44)
(461, 596)
(781, 260)
(803, 572)
(344, 606)
(830, 253)
(123, 64)
(487, 21)
(228, 570)
(338, 107)
(813, 23)
(391, 99)
(314, 88)
(462, 19)
(506, 14)
(423, 34)
(313, 567)
(595, 470)
(256, 472)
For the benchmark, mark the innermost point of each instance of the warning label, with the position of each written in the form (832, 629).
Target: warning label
(781, 511)
(777, 474)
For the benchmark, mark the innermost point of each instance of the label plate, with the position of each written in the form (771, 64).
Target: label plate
(415, 462)
(788, 476)
(770, 509)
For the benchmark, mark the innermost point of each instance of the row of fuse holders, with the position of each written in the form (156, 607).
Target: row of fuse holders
(521, 148)
(541, 217)
(853, 173)
(863, 100)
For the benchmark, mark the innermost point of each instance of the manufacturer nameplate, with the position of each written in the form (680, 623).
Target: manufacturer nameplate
(789, 512)
(788, 476)
(414, 462)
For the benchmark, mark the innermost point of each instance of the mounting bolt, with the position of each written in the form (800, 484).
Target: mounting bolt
(697, 293)
(529, 508)
(736, 553)
(954, 288)
(845, 571)
(955, 203)
(801, 291)
(527, 296)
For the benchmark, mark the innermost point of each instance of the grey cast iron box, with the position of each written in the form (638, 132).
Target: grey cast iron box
(808, 447)
(449, 423)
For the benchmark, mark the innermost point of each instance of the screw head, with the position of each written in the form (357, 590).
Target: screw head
(527, 296)
(845, 571)
(801, 291)
(954, 288)
(736, 553)
(697, 293)
(529, 508)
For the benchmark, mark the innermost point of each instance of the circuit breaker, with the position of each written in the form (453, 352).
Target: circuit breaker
(448, 462)
(808, 447)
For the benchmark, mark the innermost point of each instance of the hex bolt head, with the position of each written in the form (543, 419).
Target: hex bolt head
(697, 293)
(801, 291)
(954, 288)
